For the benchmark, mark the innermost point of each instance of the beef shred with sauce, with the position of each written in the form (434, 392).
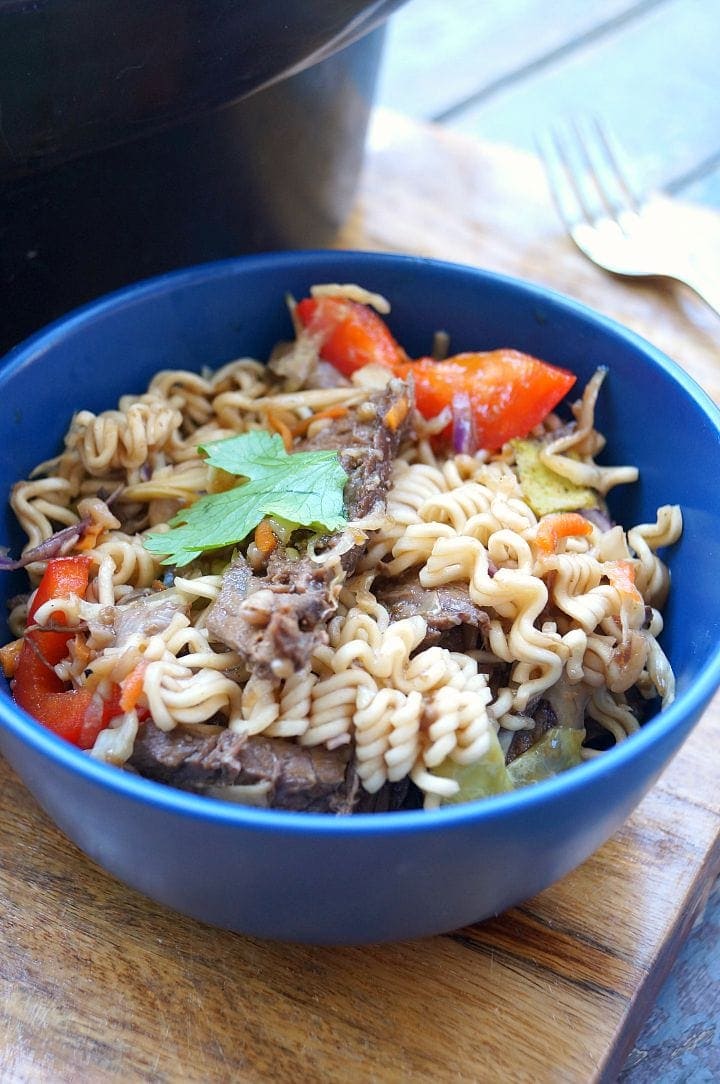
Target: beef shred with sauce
(213, 760)
(453, 619)
(274, 621)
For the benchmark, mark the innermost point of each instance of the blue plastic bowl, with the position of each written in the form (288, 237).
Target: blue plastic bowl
(308, 877)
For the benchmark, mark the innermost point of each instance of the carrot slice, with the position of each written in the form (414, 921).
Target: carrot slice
(621, 575)
(131, 687)
(301, 428)
(265, 538)
(9, 656)
(278, 426)
(397, 414)
(553, 528)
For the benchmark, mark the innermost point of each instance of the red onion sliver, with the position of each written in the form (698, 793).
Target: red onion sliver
(463, 431)
(55, 546)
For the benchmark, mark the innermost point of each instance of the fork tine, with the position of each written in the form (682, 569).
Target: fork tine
(585, 176)
(601, 159)
(618, 163)
(594, 175)
(562, 177)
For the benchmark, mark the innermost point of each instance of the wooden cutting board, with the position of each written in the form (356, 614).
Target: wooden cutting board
(100, 984)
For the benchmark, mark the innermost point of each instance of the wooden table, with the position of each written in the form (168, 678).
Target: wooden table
(507, 71)
(101, 984)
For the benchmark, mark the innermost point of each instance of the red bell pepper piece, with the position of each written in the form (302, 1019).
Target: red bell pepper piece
(78, 715)
(351, 335)
(63, 576)
(75, 714)
(509, 392)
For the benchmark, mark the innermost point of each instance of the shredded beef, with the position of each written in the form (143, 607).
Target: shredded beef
(367, 447)
(448, 610)
(275, 621)
(544, 718)
(311, 780)
(142, 617)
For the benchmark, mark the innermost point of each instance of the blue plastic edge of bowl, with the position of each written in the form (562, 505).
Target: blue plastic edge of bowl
(690, 703)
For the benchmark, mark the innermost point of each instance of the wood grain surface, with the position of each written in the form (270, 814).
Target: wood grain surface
(99, 984)
(506, 73)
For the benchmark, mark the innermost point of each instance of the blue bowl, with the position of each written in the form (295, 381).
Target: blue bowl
(315, 878)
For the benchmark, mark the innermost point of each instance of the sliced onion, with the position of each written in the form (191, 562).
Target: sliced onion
(463, 427)
(55, 546)
(598, 517)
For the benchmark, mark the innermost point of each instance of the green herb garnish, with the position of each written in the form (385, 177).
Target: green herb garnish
(305, 488)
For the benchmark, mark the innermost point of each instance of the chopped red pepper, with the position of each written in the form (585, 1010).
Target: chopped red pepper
(78, 715)
(509, 392)
(63, 576)
(351, 335)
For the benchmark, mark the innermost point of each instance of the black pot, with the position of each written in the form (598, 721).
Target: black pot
(140, 136)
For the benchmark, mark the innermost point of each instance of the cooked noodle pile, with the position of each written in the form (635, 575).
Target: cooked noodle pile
(559, 625)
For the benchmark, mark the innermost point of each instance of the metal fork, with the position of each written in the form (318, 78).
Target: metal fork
(616, 227)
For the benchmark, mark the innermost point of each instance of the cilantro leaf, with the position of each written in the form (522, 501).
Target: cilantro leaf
(254, 454)
(305, 488)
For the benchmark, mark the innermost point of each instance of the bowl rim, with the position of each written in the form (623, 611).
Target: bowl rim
(689, 704)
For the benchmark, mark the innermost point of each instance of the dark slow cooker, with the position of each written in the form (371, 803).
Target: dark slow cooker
(141, 135)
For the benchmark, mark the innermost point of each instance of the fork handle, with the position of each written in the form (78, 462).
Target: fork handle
(707, 287)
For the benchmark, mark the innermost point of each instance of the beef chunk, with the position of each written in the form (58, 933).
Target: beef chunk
(563, 704)
(311, 780)
(544, 718)
(390, 798)
(225, 620)
(275, 621)
(299, 778)
(142, 617)
(448, 610)
(367, 446)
